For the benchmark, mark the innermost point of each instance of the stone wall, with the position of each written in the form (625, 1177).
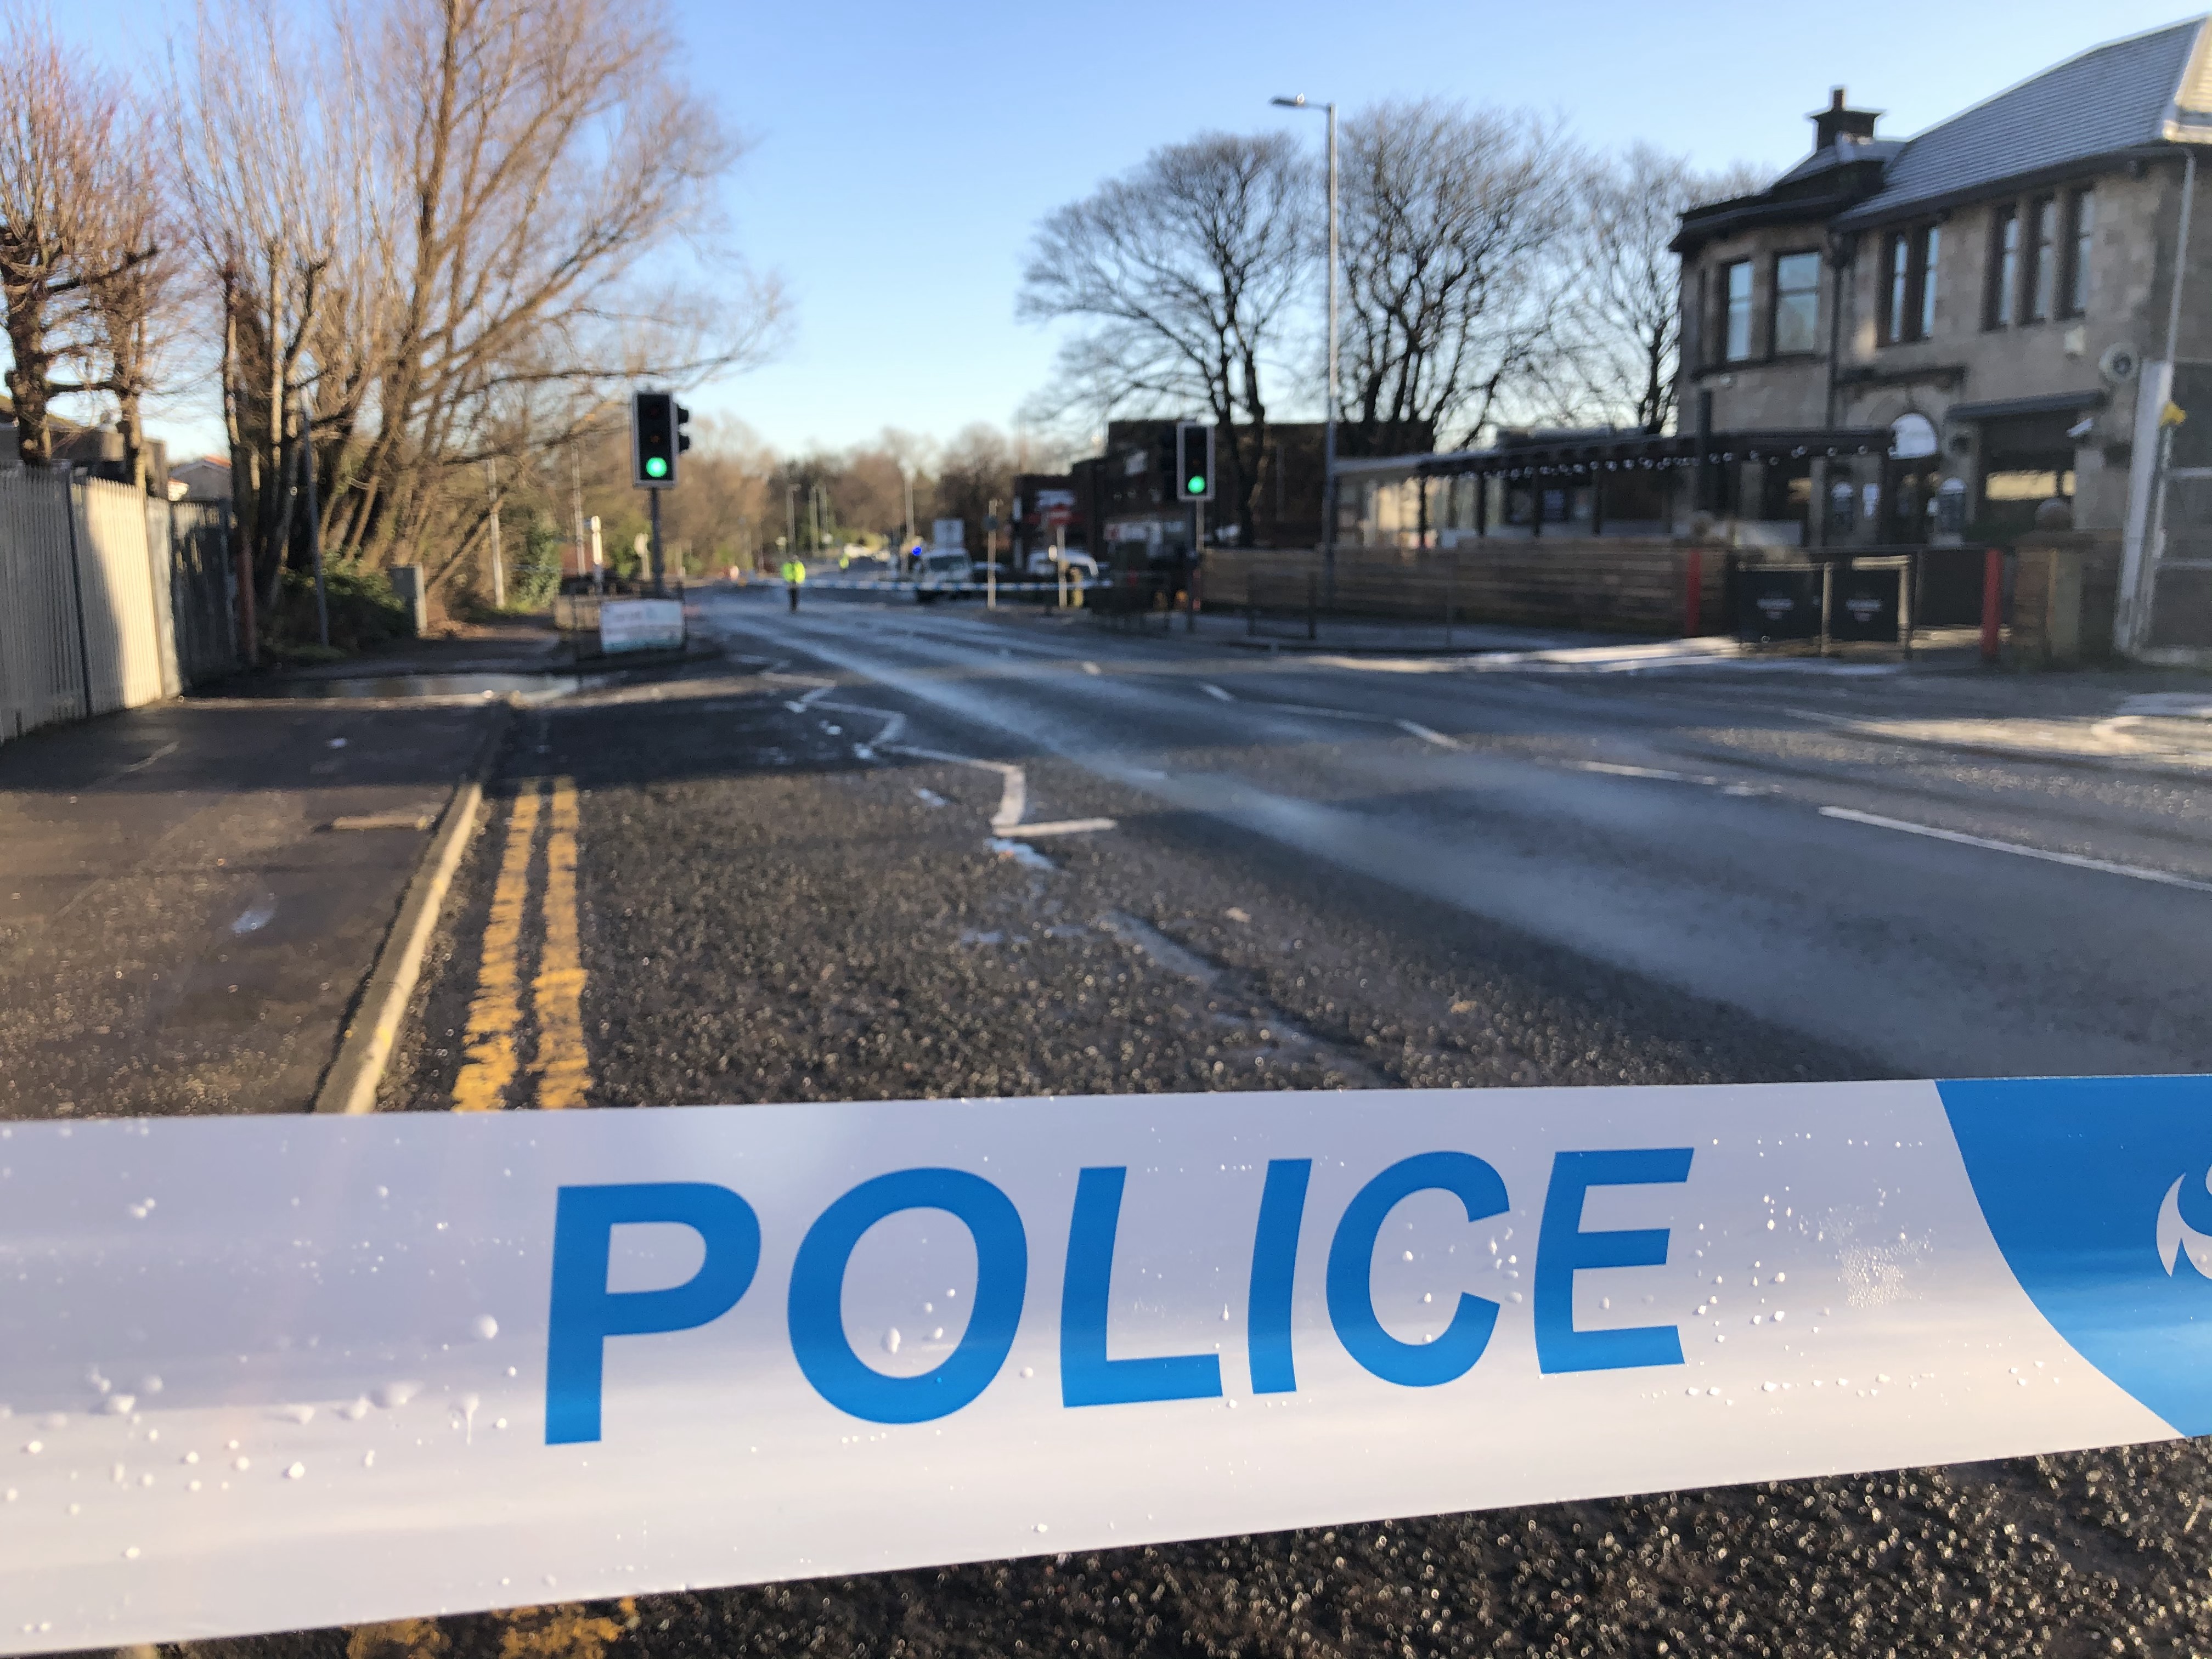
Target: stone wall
(2064, 590)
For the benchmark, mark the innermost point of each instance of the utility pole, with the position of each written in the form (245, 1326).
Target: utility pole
(660, 569)
(576, 504)
(498, 569)
(990, 556)
(1328, 429)
(314, 516)
(791, 517)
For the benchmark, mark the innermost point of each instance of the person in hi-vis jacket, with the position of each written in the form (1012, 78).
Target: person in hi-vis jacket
(794, 578)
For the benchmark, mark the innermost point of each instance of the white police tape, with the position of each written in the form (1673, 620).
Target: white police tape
(267, 1374)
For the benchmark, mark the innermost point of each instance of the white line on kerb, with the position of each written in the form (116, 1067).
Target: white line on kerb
(1215, 692)
(2163, 878)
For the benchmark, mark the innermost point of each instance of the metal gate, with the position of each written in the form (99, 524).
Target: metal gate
(42, 676)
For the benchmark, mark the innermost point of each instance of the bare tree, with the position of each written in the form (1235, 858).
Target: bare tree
(132, 306)
(976, 469)
(1621, 319)
(442, 233)
(55, 116)
(1453, 225)
(1188, 268)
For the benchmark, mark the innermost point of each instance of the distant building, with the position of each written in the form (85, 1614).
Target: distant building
(1952, 339)
(1127, 495)
(203, 478)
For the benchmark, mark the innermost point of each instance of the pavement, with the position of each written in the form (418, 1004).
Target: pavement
(196, 890)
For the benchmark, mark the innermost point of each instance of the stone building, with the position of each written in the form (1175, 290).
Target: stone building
(2003, 295)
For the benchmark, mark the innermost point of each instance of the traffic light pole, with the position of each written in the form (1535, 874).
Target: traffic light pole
(1197, 555)
(660, 570)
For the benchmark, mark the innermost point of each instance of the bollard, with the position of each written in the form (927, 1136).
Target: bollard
(1992, 603)
(1693, 592)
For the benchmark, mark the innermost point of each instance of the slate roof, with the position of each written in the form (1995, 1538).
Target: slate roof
(2113, 99)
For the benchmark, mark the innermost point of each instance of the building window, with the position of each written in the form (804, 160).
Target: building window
(1909, 265)
(1796, 303)
(2004, 267)
(1735, 336)
(1897, 262)
(1931, 254)
(2080, 244)
(2043, 257)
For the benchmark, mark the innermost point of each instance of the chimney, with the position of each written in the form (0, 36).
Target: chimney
(1837, 122)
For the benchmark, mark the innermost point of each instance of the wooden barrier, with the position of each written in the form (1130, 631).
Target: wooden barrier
(1613, 586)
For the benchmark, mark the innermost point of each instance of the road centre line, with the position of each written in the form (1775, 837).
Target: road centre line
(2073, 861)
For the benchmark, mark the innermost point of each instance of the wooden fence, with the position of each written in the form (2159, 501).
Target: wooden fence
(1609, 586)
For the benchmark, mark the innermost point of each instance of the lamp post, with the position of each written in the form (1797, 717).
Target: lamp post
(1328, 430)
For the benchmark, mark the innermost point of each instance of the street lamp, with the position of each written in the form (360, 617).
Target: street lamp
(1328, 434)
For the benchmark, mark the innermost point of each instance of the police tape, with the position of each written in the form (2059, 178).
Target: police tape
(269, 1374)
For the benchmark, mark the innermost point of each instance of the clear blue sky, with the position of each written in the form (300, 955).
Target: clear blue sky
(904, 151)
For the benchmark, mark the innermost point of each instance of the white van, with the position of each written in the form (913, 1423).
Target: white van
(942, 572)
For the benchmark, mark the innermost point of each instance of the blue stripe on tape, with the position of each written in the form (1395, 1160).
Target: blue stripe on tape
(2099, 1191)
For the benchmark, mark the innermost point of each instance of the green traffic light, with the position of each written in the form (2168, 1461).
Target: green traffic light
(1198, 486)
(656, 468)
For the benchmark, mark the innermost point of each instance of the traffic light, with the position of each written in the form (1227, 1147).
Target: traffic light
(656, 438)
(1193, 461)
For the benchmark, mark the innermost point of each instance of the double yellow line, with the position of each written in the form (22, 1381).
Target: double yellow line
(560, 1069)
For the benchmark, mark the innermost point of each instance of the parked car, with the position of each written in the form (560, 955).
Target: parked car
(1043, 561)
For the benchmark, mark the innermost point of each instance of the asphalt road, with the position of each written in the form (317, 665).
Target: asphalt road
(794, 878)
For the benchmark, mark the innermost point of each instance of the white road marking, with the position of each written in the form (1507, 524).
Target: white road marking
(1092, 668)
(2073, 860)
(1215, 692)
(1013, 788)
(1332, 714)
(1659, 775)
(894, 723)
(1425, 735)
(1007, 829)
